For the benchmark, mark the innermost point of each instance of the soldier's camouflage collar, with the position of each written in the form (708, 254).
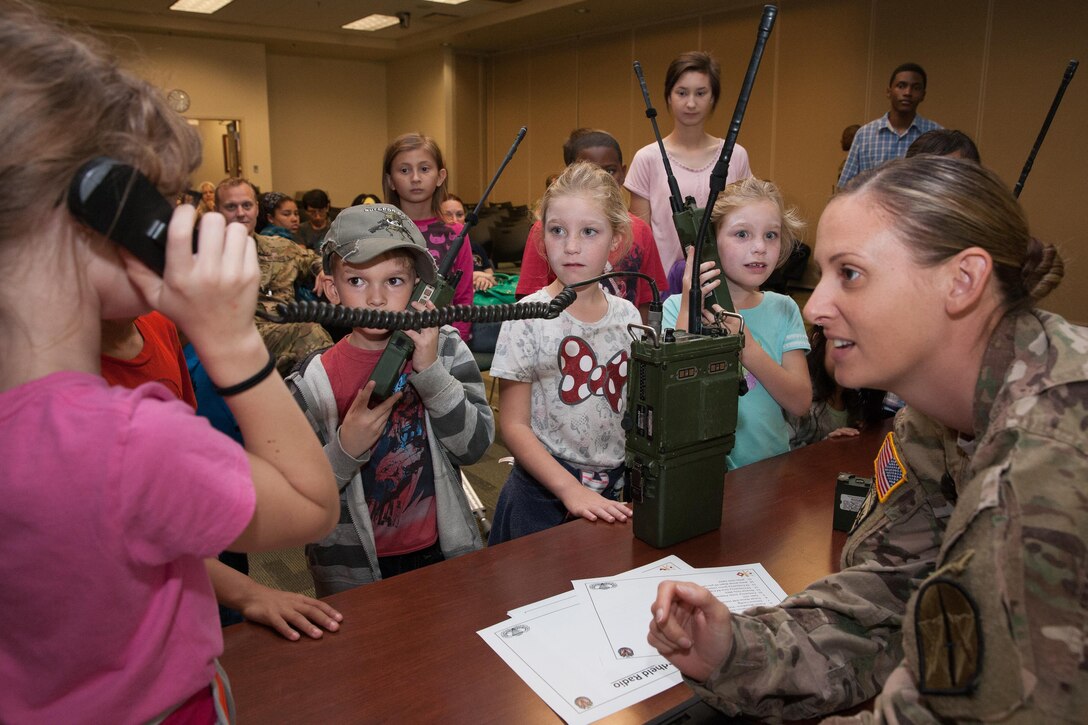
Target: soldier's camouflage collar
(1011, 339)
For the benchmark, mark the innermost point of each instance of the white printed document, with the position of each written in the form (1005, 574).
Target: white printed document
(669, 564)
(551, 650)
(620, 606)
(584, 652)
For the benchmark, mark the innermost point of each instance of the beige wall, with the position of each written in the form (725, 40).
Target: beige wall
(993, 66)
(419, 99)
(306, 122)
(328, 125)
(224, 79)
(1028, 53)
(469, 172)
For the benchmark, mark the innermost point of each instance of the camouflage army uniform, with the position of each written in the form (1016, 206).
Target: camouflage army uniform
(283, 262)
(1016, 545)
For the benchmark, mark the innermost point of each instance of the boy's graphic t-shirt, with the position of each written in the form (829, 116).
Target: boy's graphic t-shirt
(398, 480)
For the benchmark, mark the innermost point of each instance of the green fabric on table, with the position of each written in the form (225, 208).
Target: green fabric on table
(501, 293)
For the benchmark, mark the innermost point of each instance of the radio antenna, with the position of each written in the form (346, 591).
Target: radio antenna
(721, 170)
(676, 201)
(1070, 70)
(472, 218)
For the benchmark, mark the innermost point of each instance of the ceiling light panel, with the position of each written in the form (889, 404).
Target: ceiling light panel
(449, 2)
(199, 6)
(372, 22)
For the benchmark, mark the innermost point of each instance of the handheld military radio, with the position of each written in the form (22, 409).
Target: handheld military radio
(682, 387)
(397, 352)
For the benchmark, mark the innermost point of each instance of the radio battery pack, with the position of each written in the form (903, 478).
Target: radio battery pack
(681, 421)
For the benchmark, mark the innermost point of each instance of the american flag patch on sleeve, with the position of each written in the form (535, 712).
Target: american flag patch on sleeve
(888, 470)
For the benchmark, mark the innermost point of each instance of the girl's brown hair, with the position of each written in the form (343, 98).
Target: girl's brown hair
(64, 100)
(695, 61)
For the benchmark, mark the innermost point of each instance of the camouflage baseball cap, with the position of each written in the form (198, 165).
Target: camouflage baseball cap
(360, 233)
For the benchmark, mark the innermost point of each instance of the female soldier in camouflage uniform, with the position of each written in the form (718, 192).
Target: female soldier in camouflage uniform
(963, 592)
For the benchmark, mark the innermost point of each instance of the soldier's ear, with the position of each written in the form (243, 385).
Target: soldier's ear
(969, 273)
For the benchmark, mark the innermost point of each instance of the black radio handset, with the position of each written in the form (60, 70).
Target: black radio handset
(686, 215)
(122, 204)
(399, 349)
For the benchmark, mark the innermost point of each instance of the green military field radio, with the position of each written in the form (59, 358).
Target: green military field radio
(687, 222)
(681, 419)
(683, 387)
(390, 366)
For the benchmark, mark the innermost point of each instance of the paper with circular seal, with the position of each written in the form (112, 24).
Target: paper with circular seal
(551, 653)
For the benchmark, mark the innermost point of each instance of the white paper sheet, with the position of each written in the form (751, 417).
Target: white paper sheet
(671, 563)
(584, 652)
(620, 606)
(550, 645)
(550, 650)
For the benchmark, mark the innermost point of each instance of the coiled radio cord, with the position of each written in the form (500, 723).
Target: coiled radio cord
(326, 313)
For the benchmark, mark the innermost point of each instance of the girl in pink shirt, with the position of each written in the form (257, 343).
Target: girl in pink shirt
(113, 497)
(414, 180)
(692, 88)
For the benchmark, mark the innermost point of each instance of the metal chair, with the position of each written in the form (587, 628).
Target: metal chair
(476, 505)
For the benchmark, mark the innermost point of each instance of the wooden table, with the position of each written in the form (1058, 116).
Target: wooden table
(408, 650)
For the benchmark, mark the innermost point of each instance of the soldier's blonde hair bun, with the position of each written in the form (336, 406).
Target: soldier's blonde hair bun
(1043, 269)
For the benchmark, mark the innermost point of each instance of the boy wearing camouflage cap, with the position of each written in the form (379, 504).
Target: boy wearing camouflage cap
(402, 504)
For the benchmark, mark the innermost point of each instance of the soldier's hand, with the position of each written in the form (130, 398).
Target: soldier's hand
(363, 425)
(690, 628)
(426, 341)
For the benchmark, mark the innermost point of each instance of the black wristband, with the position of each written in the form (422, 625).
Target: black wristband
(248, 382)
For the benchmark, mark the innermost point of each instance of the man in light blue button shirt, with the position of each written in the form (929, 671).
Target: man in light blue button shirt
(889, 136)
